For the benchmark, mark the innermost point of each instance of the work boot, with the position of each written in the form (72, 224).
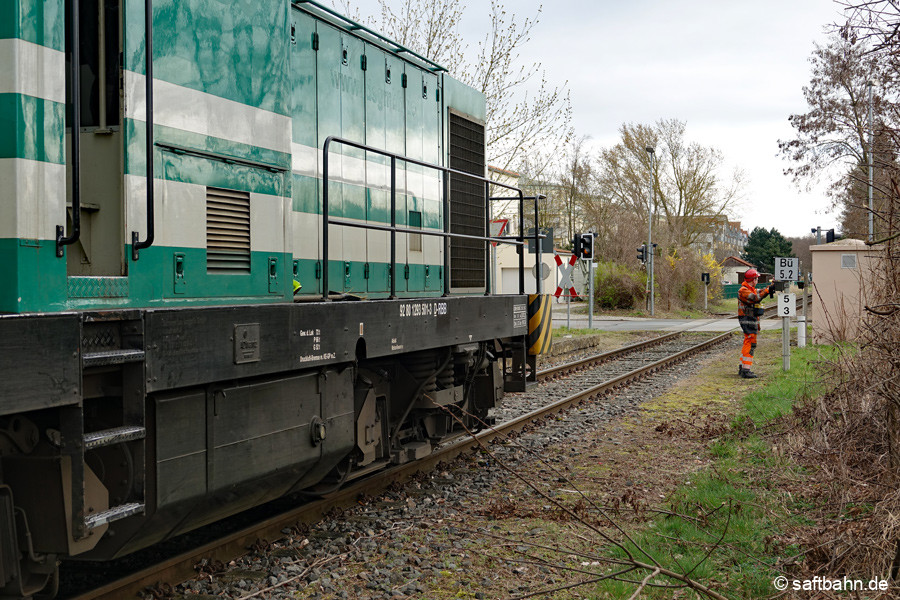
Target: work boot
(748, 374)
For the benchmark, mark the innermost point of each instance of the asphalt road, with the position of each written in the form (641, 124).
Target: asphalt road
(579, 320)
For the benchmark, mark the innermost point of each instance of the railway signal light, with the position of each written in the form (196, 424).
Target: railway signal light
(642, 253)
(576, 245)
(584, 245)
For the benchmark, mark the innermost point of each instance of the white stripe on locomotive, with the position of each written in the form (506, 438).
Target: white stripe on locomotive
(32, 70)
(205, 114)
(44, 184)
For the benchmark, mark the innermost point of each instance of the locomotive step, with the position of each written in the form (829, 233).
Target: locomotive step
(113, 514)
(116, 435)
(111, 357)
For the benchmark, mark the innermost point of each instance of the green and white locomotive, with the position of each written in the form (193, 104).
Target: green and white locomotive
(158, 370)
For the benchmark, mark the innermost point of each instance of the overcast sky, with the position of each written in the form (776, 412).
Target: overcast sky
(733, 70)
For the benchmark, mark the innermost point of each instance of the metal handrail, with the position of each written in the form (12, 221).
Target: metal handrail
(61, 238)
(136, 243)
(445, 234)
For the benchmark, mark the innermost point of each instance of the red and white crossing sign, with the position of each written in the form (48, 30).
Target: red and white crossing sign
(498, 226)
(565, 275)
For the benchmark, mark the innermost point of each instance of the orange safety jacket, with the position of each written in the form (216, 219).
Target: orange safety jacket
(749, 309)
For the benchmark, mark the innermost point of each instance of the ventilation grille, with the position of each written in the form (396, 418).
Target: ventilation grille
(848, 261)
(467, 210)
(227, 231)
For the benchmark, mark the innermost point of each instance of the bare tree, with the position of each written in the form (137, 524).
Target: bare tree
(525, 112)
(575, 179)
(832, 138)
(687, 179)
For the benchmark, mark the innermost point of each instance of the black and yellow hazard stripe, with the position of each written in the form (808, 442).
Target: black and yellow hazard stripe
(540, 324)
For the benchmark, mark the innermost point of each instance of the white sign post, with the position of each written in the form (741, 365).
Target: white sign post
(786, 269)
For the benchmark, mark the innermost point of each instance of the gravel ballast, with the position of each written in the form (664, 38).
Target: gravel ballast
(429, 538)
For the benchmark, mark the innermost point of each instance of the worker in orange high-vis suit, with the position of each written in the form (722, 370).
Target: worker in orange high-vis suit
(749, 311)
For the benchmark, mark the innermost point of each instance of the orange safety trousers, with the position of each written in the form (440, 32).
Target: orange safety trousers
(747, 350)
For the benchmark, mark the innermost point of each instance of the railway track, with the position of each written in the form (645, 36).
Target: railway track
(580, 364)
(598, 375)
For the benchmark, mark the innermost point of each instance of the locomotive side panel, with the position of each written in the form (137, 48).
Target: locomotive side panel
(363, 93)
(221, 129)
(32, 154)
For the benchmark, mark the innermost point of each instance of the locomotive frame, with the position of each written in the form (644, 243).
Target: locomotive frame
(151, 383)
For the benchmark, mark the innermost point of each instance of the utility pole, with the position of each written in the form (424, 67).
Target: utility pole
(871, 168)
(652, 152)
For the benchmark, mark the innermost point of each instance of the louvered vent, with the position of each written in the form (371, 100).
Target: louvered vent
(848, 261)
(467, 210)
(227, 231)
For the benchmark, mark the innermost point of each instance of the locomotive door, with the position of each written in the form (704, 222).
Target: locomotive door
(100, 250)
(353, 170)
(414, 271)
(433, 247)
(377, 170)
(305, 147)
(341, 112)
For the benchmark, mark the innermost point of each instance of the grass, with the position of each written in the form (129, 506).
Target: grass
(733, 507)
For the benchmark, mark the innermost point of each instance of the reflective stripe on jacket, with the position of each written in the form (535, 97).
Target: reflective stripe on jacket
(747, 298)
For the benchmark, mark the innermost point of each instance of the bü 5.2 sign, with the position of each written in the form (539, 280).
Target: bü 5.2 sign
(787, 269)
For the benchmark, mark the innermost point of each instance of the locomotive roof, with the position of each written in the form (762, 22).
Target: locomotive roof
(361, 31)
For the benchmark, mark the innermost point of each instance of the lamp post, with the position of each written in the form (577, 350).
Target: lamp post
(652, 152)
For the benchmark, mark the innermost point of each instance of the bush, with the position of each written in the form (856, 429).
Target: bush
(616, 286)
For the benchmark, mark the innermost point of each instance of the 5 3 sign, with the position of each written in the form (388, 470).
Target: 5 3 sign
(787, 305)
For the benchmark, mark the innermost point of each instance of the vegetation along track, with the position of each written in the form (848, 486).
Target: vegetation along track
(589, 378)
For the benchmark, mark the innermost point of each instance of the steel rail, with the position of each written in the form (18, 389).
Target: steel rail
(181, 567)
(583, 363)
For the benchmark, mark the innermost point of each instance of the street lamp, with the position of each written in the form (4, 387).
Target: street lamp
(652, 152)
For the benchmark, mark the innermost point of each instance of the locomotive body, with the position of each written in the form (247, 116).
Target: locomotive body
(157, 369)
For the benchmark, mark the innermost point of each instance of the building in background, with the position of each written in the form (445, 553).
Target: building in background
(719, 236)
(733, 269)
(842, 271)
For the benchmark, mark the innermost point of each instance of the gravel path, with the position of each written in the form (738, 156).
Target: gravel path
(412, 541)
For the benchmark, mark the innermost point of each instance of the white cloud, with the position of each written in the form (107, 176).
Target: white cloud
(732, 70)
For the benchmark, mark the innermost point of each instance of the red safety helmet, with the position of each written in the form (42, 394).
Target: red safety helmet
(751, 274)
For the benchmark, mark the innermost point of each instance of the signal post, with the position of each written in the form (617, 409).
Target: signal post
(787, 270)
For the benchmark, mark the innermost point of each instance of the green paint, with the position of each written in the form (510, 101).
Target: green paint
(198, 170)
(32, 128)
(307, 199)
(37, 21)
(462, 98)
(235, 50)
(33, 278)
(377, 285)
(136, 151)
(303, 79)
(306, 195)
